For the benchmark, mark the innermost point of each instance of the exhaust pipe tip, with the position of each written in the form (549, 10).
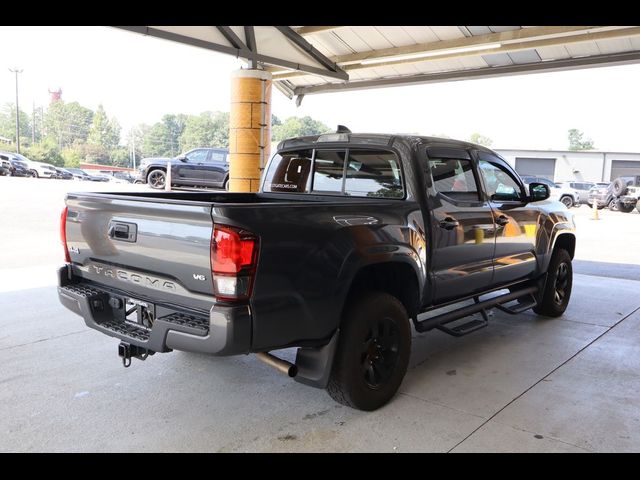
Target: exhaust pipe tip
(288, 368)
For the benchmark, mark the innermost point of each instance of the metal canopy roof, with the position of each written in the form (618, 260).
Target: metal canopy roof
(314, 59)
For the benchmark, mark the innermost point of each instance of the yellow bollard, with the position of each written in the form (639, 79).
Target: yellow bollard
(479, 233)
(594, 215)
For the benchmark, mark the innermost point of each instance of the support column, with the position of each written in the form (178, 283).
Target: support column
(249, 129)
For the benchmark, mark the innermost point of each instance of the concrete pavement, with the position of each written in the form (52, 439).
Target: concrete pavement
(524, 383)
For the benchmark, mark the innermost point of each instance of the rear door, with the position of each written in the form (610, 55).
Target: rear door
(215, 168)
(516, 225)
(462, 225)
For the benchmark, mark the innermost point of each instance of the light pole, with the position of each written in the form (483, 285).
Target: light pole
(16, 71)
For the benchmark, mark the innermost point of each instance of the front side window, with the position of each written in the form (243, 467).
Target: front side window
(499, 184)
(197, 156)
(454, 178)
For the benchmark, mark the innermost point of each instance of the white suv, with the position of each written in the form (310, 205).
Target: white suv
(39, 169)
(568, 196)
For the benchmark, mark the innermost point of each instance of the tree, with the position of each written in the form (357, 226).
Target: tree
(8, 124)
(297, 127)
(480, 139)
(46, 152)
(206, 130)
(67, 122)
(576, 142)
(104, 132)
(120, 157)
(71, 157)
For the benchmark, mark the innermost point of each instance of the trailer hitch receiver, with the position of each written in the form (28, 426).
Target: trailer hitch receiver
(126, 351)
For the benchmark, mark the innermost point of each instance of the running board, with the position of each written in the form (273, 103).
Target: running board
(479, 307)
(524, 303)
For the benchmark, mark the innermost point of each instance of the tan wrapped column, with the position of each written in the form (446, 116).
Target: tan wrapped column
(249, 129)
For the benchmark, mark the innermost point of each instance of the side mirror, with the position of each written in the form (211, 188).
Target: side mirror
(538, 192)
(182, 158)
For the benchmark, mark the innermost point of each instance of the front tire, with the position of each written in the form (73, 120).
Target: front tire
(567, 201)
(557, 290)
(374, 346)
(34, 173)
(156, 179)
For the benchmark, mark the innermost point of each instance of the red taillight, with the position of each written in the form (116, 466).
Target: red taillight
(63, 234)
(234, 255)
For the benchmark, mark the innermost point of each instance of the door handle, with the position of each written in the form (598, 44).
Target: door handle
(449, 223)
(502, 220)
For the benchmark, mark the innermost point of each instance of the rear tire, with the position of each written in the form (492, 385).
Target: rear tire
(374, 345)
(619, 187)
(225, 186)
(156, 179)
(624, 209)
(613, 205)
(557, 289)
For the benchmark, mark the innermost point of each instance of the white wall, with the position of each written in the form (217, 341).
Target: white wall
(580, 166)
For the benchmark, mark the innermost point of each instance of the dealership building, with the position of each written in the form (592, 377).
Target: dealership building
(567, 165)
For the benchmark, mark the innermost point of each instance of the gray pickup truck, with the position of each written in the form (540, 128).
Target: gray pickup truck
(352, 238)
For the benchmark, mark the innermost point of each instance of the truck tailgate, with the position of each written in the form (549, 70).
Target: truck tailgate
(157, 250)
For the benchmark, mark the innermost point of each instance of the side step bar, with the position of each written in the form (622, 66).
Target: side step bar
(480, 306)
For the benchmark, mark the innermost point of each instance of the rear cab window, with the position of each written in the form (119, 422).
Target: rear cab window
(356, 172)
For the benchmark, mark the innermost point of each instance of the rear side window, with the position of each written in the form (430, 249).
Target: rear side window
(328, 171)
(289, 172)
(361, 173)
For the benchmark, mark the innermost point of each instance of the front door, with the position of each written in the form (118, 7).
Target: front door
(516, 225)
(190, 171)
(462, 226)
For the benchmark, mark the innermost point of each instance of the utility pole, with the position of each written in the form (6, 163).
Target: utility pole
(133, 147)
(33, 124)
(16, 71)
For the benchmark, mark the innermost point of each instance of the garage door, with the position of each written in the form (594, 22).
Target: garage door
(626, 168)
(539, 167)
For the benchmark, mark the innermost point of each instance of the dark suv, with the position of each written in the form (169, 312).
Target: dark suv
(200, 167)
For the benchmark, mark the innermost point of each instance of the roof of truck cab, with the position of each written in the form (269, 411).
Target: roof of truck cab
(311, 141)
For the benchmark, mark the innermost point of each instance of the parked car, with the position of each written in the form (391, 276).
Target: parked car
(582, 188)
(5, 167)
(79, 174)
(41, 169)
(19, 168)
(620, 195)
(17, 163)
(63, 174)
(200, 167)
(568, 196)
(351, 238)
(117, 176)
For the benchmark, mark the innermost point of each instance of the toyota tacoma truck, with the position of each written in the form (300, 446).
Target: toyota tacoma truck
(351, 240)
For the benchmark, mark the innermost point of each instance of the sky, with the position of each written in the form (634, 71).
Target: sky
(139, 79)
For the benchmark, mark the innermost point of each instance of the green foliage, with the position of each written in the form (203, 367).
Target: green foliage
(120, 157)
(8, 124)
(71, 157)
(67, 122)
(46, 152)
(104, 132)
(576, 142)
(297, 127)
(480, 139)
(206, 130)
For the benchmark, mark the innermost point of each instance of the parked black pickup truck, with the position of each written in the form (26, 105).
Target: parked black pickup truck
(351, 237)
